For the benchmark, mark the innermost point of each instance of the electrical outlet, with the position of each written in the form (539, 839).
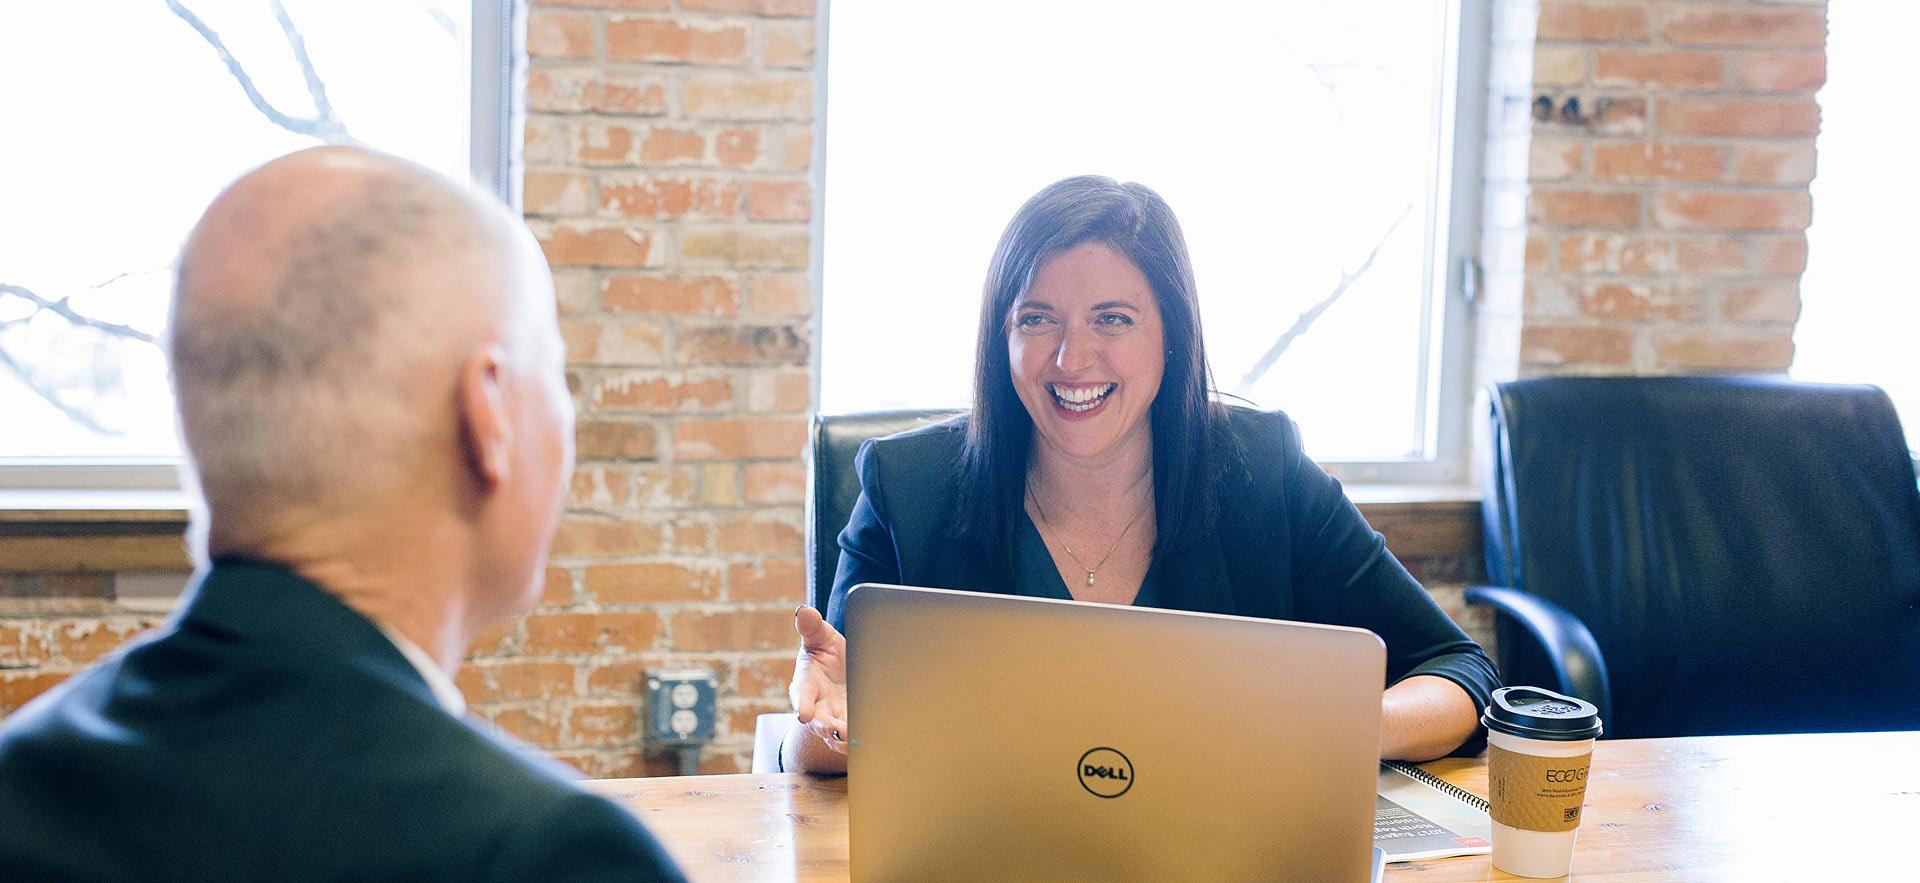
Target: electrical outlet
(682, 702)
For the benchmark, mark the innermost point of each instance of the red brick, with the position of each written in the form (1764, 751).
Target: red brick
(1789, 164)
(1762, 302)
(673, 295)
(17, 688)
(1538, 248)
(1553, 159)
(1591, 21)
(786, 44)
(758, 533)
(780, 389)
(630, 342)
(1639, 302)
(776, 483)
(1746, 27)
(21, 645)
(600, 489)
(556, 587)
(653, 39)
(664, 392)
(557, 193)
(1744, 117)
(1709, 256)
(1781, 256)
(715, 760)
(652, 583)
(620, 677)
(1614, 253)
(586, 763)
(614, 440)
(779, 295)
(576, 90)
(719, 484)
(1559, 66)
(745, 248)
(734, 629)
(544, 142)
(603, 723)
(767, 676)
(559, 35)
(784, 8)
(535, 726)
(663, 146)
(516, 680)
(598, 144)
(739, 438)
(76, 585)
(577, 291)
(737, 147)
(1618, 116)
(1660, 70)
(595, 537)
(669, 487)
(758, 97)
(795, 151)
(1657, 162)
(1724, 350)
(769, 580)
(494, 639)
(1576, 345)
(1780, 71)
(1733, 210)
(582, 340)
(1585, 208)
(575, 634)
(670, 197)
(622, 4)
(779, 201)
(81, 641)
(742, 345)
(578, 246)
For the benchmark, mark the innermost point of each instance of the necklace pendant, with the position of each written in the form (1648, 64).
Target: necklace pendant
(1089, 579)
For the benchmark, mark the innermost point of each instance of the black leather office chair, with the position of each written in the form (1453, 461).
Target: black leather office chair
(833, 486)
(1703, 555)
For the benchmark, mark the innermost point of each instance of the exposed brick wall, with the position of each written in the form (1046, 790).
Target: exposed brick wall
(669, 149)
(1647, 193)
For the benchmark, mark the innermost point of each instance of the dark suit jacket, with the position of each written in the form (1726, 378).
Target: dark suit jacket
(271, 732)
(1289, 546)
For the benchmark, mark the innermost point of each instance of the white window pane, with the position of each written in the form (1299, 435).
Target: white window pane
(1859, 303)
(1288, 137)
(126, 123)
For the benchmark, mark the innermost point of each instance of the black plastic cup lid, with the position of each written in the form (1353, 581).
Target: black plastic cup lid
(1534, 713)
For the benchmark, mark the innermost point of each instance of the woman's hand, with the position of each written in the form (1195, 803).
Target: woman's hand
(819, 688)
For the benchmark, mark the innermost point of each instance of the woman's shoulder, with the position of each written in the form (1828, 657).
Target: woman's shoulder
(1261, 433)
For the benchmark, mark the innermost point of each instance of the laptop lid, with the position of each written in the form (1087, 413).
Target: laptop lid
(1000, 737)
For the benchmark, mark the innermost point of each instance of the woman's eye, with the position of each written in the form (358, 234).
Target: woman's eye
(1112, 323)
(1031, 322)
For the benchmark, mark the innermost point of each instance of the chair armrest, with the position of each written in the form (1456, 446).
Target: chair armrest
(1564, 644)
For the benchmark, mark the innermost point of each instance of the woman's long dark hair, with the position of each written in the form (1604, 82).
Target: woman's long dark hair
(1188, 426)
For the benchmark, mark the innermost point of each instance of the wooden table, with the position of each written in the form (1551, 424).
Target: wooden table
(1817, 808)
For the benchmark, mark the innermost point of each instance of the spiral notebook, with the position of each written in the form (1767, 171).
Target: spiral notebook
(1419, 816)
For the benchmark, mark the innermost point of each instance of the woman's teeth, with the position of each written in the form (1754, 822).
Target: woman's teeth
(1080, 398)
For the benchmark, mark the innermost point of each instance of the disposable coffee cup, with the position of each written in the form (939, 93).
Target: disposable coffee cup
(1539, 747)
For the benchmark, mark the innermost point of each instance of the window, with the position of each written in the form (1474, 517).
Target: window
(1307, 147)
(1858, 305)
(125, 125)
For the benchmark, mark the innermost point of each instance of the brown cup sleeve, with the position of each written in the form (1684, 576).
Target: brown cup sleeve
(1536, 793)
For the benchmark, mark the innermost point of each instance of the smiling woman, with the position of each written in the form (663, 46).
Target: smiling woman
(1098, 465)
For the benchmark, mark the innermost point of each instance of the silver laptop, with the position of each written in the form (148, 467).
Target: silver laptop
(1003, 738)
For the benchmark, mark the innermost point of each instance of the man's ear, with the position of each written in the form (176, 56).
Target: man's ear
(486, 434)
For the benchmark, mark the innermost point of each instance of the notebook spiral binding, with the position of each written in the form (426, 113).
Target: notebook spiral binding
(1441, 785)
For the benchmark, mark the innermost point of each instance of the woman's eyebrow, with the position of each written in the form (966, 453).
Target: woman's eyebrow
(1033, 305)
(1114, 304)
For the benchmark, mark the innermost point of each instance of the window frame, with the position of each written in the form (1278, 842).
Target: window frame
(1447, 350)
(497, 84)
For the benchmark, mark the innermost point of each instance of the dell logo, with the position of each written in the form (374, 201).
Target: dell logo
(1105, 772)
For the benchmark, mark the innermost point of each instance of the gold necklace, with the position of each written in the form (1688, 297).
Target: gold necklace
(1047, 528)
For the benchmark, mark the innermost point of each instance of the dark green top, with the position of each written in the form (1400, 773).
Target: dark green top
(1035, 575)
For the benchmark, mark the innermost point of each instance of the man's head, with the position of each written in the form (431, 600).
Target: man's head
(360, 345)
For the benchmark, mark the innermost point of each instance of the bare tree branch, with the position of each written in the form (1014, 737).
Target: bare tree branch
(1306, 320)
(63, 310)
(39, 389)
(119, 276)
(323, 125)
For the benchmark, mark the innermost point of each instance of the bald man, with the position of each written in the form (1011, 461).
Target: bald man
(370, 386)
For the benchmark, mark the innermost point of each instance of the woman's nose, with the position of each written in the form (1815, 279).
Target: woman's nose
(1076, 351)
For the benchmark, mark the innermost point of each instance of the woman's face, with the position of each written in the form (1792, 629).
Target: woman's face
(1086, 348)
